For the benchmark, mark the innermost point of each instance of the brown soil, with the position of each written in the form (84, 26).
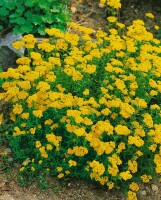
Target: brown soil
(89, 14)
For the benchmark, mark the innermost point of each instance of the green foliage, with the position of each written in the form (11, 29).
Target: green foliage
(1, 79)
(33, 16)
(87, 109)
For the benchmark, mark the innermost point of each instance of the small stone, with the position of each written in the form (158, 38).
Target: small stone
(73, 9)
(143, 192)
(9, 55)
(69, 184)
(154, 188)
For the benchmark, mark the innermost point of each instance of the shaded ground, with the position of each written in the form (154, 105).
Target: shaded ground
(86, 13)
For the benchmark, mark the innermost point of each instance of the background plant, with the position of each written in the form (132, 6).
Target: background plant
(33, 16)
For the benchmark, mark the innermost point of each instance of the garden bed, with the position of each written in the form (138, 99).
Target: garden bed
(71, 188)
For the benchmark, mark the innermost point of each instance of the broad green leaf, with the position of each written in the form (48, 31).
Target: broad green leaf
(31, 3)
(17, 30)
(1, 27)
(59, 26)
(28, 14)
(20, 9)
(47, 18)
(41, 30)
(1, 3)
(55, 9)
(26, 28)
(61, 18)
(37, 19)
(20, 21)
(4, 12)
(44, 5)
(10, 5)
(14, 15)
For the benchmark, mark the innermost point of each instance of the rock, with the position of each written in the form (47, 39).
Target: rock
(154, 188)
(9, 55)
(143, 192)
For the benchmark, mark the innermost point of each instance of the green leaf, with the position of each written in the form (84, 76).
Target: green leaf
(28, 14)
(59, 26)
(27, 28)
(17, 30)
(10, 5)
(61, 18)
(1, 3)
(20, 9)
(37, 19)
(20, 21)
(4, 12)
(55, 9)
(14, 15)
(30, 3)
(44, 5)
(1, 27)
(47, 18)
(41, 30)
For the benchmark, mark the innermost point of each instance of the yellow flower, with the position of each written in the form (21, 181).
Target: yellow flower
(72, 163)
(102, 1)
(43, 86)
(146, 178)
(67, 172)
(35, 55)
(149, 15)
(1, 118)
(17, 109)
(37, 113)
(110, 185)
(40, 161)
(122, 130)
(25, 115)
(18, 44)
(114, 4)
(26, 162)
(48, 122)
(132, 166)
(49, 147)
(125, 175)
(59, 169)
(156, 27)
(86, 92)
(111, 19)
(32, 131)
(134, 187)
(33, 169)
(61, 175)
(22, 169)
(155, 106)
(29, 41)
(38, 144)
(23, 61)
(120, 25)
(131, 195)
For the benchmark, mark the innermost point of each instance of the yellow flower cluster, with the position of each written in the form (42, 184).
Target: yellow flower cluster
(88, 102)
(116, 4)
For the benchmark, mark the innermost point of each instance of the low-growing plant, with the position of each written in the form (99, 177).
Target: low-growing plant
(87, 105)
(33, 16)
(1, 79)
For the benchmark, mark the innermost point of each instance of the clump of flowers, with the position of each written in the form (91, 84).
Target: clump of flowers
(88, 105)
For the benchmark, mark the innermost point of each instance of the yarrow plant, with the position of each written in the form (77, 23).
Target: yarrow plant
(88, 105)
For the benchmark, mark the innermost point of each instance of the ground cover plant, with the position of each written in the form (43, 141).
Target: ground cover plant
(86, 104)
(33, 16)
